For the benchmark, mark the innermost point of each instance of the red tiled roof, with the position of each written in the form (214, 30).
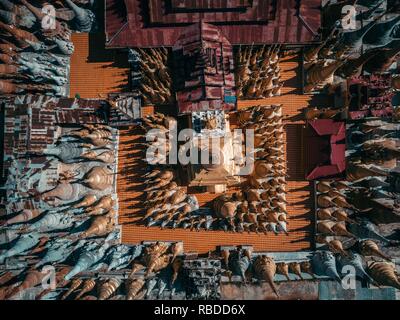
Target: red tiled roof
(336, 133)
(206, 75)
(211, 4)
(154, 23)
(160, 14)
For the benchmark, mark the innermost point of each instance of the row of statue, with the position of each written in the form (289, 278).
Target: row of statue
(349, 206)
(152, 75)
(68, 219)
(92, 256)
(261, 205)
(362, 132)
(258, 72)
(167, 204)
(81, 187)
(347, 52)
(374, 143)
(34, 54)
(352, 221)
(155, 270)
(255, 267)
(332, 216)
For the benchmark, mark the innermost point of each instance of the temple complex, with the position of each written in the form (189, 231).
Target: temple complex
(213, 150)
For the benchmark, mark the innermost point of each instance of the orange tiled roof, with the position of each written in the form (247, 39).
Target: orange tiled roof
(94, 70)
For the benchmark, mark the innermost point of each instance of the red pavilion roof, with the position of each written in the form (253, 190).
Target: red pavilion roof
(154, 23)
(203, 63)
(335, 163)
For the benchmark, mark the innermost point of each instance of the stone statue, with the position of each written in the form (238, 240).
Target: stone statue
(84, 18)
(16, 15)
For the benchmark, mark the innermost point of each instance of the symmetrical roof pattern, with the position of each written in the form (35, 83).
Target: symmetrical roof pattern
(156, 23)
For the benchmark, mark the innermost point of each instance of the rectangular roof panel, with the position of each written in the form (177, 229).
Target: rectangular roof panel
(155, 23)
